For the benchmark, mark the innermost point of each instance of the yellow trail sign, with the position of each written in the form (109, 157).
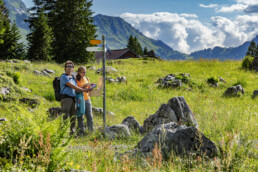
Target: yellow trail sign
(95, 42)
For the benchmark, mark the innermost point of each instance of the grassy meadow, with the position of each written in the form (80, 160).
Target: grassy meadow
(230, 122)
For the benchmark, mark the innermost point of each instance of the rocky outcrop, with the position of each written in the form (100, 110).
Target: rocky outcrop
(123, 130)
(99, 112)
(54, 112)
(117, 80)
(175, 81)
(31, 102)
(233, 91)
(179, 139)
(176, 110)
(5, 91)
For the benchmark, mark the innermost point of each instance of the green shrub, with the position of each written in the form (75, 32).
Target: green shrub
(212, 80)
(241, 82)
(247, 61)
(49, 95)
(16, 77)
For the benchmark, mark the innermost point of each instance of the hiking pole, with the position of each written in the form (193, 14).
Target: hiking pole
(104, 79)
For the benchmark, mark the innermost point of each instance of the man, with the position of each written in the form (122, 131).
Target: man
(67, 90)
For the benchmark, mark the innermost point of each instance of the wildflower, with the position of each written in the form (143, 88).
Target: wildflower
(78, 167)
(71, 163)
(21, 162)
(34, 155)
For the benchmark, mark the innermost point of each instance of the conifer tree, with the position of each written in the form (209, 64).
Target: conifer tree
(134, 45)
(73, 28)
(145, 51)
(3, 19)
(40, 39)
(252, 50)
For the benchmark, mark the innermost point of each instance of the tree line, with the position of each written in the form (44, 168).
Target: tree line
(134, 45)
(59, 30)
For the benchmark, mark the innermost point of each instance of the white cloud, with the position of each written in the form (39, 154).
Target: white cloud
(233, 8)
(208, 6)
(188, 34)
(189, 15)
(247, 6)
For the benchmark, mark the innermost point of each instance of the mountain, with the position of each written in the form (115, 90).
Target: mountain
(117, 32)
(17, 13)
(235, 53)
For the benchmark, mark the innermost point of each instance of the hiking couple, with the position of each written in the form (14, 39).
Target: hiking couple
(75, 99)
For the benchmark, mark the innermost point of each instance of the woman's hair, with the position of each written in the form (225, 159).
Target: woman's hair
(80, 69)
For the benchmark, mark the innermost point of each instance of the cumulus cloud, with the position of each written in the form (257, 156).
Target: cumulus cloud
(187, 34)
(247, 6)
(208, 6)
(189, 15)
(233, 8)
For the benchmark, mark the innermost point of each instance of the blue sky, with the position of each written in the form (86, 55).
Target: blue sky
(187, 25)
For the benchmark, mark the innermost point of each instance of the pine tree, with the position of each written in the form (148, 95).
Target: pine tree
(134, 45)
(130, 43)
(145, 51)
(3, 19)
(73, 28)
(40, 39)
(252, 50)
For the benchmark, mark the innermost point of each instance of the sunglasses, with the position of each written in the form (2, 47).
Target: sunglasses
(69, 66)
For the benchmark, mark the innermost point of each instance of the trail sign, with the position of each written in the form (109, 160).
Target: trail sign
(94, 48)
(95, 42)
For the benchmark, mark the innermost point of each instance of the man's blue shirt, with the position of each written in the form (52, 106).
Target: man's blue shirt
(64, 88)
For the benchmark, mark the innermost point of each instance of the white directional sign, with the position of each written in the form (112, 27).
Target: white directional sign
(94, 49)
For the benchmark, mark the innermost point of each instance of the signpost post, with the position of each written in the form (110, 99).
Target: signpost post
(95, 49)
(104, 79)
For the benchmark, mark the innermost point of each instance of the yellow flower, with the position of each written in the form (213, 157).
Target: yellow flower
(77, 166)
(28, 156)
(71, 163)
(21, 162)
(34, 155)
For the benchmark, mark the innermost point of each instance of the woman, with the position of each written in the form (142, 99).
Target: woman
(67, 91)
(84, 82)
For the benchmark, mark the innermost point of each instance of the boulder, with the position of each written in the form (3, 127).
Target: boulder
(133, 124)
(49, 71)
(233, 91)
(5, 91)
(108, 70)
(176, 110)
(54, 112)
(36, 72)
(119, 131)
(32, 102)
(26, 89)
(121, 79)
(45, 73)
(179, 139)
(254, 64)
(170, 77)
(222, 80)
(99, 112)
(91, 68)
(255, 93)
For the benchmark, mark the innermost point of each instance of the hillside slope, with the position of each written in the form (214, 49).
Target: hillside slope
(221, 53)
(117, 32)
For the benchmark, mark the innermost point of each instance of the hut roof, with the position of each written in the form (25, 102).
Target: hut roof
(115, 54)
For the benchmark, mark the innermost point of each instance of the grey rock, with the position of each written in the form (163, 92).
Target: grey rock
(5, 91)
(222, 80)
(26, 89)
(37, 72)
(170, 77)
(108, 70)
(215, 85)
(3, 119)
(159, 81)
(176, 83)
(119, 131)
(32, 102)
(111, 80)
(255, 93)
(133, 124)
(54, 112)
(92, 68)
(233, 91)
(121, 79)
(49, 71)
(164, 115)
(179, 139)
(26, 61)
(185, 74)
(99, 112)
(182, 111)
(45, 73)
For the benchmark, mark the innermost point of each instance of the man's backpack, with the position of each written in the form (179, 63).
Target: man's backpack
(56, 85)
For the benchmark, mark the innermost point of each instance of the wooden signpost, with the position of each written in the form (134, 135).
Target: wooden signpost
(98, 49)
